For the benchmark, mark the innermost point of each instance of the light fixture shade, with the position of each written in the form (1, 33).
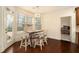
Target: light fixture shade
(37, 15)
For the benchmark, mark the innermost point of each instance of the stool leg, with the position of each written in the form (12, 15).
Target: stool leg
(41, 44)
(34, 44)
(46, 41)
(25, 45)
(29, 42)
(21, 43)
(41, 47)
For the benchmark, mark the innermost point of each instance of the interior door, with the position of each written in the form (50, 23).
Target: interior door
(9, 30)
(8, 24)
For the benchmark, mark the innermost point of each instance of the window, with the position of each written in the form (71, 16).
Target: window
(29, 20)
(37, 23)
(21, 22)
(9, 22)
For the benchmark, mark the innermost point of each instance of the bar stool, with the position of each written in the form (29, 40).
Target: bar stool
(25, 41)
(44, 36)
(38, 41)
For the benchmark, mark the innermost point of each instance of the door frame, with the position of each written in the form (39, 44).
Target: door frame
(70, 27)
(5, 12)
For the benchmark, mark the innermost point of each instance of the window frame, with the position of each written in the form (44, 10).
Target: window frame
(36, 23)
(22, 15)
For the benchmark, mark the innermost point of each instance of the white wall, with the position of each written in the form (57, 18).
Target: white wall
(52, 22)
(52, 25)
(0, 30)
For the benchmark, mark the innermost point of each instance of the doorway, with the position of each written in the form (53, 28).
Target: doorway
(8, 26)
(66, 28)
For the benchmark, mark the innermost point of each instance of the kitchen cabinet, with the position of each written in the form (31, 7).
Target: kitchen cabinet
(77, 16)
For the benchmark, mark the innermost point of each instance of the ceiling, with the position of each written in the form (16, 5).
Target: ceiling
(43, 9)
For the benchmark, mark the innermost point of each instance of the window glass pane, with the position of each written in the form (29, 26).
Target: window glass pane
(9, 22)
(38, 23)
(26, 19)
(29, 20)
(21, 22)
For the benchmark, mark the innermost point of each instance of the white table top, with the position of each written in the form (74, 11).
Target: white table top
(33, 31)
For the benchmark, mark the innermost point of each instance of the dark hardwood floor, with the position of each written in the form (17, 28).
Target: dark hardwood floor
(54, 46)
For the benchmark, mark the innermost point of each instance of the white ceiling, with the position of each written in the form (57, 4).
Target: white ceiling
(43, 9)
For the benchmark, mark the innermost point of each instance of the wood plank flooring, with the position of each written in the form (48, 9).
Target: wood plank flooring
(54, 46)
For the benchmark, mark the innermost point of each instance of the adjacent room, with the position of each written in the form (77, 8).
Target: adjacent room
(65, 28)
(39, 29)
